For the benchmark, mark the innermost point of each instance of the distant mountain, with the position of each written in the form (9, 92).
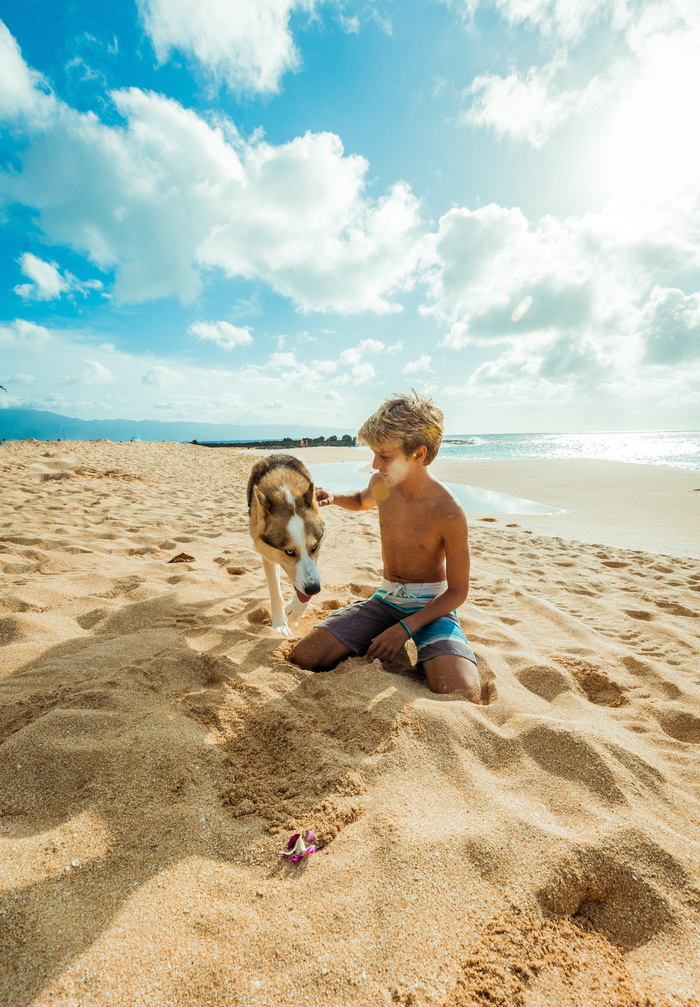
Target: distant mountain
(18, 424)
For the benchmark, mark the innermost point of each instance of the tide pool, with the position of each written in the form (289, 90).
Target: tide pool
(345, 477)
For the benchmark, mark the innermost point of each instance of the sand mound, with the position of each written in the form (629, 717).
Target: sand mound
(158, 748)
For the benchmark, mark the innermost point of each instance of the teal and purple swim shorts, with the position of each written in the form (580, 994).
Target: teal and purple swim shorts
(358, 624)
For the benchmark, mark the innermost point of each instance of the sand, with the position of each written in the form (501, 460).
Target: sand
(158, 749)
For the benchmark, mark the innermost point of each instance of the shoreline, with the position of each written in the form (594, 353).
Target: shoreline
(627, 505)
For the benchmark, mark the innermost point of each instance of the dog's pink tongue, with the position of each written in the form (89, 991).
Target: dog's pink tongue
(303, 598)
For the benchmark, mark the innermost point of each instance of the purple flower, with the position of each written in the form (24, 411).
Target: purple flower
(299, 846)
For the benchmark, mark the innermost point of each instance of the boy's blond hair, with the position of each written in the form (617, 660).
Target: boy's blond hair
(406, 422)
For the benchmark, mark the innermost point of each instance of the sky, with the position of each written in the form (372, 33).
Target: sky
(273, 211)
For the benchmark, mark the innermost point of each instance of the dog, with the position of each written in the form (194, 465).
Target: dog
(287, 530)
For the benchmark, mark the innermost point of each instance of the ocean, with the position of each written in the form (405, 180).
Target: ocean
(674, 448)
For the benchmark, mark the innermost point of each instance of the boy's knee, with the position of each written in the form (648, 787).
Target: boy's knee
(319, 651)
(303, 656)
(448, 674)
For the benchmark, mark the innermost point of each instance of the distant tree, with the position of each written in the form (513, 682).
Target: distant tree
(332, 437)
(346, 439)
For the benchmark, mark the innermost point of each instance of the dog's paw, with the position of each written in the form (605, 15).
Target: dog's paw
(283, 630)
(294, 609)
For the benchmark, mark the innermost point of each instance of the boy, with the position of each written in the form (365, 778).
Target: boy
(425, 551)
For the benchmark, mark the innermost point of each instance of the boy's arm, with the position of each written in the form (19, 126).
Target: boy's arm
(362, 500)
(456, 540)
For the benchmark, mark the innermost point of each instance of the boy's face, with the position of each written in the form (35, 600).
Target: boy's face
(391, 464)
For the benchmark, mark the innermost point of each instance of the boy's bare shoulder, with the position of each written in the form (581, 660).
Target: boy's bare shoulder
(445, 502)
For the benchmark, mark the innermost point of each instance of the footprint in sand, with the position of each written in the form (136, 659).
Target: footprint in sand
(672, 608)
(331, 605)
(609, 895)
(678, 723)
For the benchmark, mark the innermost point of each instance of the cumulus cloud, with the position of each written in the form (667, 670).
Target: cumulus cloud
(166, 197)
(670, 326)
(575, 304)
(47, 282)
(419, 366)
(354, 354)
(528, 105)
(162, 377)
(95, 373)
(248, 45)
(23, 334)
(20, 87)
(223, 333)
(307, 229)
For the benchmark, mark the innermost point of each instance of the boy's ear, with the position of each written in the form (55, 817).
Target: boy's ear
(420, 453)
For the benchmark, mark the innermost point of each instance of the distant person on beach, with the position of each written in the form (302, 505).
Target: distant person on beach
(425, 551)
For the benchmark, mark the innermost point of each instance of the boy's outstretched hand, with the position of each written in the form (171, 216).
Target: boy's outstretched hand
(323, 497)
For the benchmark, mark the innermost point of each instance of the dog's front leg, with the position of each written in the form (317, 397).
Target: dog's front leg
(279, 619)
(295, 609)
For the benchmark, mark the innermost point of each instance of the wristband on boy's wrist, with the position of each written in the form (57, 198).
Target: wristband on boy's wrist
(410, 634)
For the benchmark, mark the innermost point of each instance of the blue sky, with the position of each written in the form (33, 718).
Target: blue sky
(279, 211)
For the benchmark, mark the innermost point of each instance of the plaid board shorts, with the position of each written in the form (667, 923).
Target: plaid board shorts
(358, 624)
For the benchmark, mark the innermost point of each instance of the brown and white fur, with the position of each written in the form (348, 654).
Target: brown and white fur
(286, 529)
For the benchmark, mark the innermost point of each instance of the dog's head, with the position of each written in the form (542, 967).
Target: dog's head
(289, 531)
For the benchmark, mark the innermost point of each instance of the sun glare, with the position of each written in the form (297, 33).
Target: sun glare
(651, 150)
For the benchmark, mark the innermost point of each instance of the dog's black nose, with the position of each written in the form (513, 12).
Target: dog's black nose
(312, 588)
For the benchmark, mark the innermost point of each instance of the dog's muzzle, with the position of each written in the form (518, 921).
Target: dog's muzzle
(309, 589)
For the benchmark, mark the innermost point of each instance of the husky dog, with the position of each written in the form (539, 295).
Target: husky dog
(286, 529)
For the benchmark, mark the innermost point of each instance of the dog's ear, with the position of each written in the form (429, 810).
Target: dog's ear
(262, 501)
(309, 497)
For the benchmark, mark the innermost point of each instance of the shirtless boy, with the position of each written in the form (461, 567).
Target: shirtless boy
(425, 551)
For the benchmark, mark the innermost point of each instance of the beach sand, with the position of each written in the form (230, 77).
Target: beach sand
(158, 749)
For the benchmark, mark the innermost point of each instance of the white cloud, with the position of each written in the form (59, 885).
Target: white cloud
(162, 377)
(47, 281)
(167, 197)
(354, 354)
(419, 366)
(362, 373)
(526, 108)
(670, 326)
(95, 373)
(577, 304)
(20, 87)
(306, 228)
(21, 333)
(577, 72)
(223, 333)
(247, 44)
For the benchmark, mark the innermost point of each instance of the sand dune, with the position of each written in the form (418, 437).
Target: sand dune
(158, 749)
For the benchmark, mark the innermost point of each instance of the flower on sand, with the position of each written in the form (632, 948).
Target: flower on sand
(300, 846)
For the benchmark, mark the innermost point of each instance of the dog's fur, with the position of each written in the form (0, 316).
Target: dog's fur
(286, 529)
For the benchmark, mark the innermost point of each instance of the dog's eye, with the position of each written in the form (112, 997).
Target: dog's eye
(313, 548)
(290, 552)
